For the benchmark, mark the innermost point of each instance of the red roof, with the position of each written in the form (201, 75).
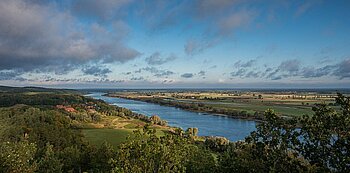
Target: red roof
(69, 109)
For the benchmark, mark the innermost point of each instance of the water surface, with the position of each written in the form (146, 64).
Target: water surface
(208, 124)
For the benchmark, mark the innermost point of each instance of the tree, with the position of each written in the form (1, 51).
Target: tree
(326, 136)
(145, 152)
(195, 131)
(71, 159)
(191, 132)
(201, 160)
(101, 160)
(17, 157)
(155, 119)
(216, 143)
(268, 149)
(49, 162)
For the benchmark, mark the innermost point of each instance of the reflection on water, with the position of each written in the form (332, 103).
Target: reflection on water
(208, 124)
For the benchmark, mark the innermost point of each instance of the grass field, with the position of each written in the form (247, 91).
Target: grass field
(112, 136)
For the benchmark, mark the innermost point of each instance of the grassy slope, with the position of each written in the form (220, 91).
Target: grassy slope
(112, 136)
(113, 130)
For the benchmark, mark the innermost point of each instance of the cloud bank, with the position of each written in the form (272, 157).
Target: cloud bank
(39, 37)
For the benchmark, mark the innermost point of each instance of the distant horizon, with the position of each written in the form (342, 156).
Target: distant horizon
(183, 88)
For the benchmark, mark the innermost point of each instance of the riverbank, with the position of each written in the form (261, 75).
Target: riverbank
(195, 107)
(208, 124)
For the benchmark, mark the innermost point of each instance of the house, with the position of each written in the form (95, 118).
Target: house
(66, 108)
(69, 109)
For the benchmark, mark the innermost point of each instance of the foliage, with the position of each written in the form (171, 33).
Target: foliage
(191, 132)
(326, 136)
(201, 160)
(216, 143)
(102, 158)
(145, 152)
(40, 127)
(319, 143)
(17, 157)
(10, 99)
(50, 162)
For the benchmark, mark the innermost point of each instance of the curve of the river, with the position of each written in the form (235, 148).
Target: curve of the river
(208, 124)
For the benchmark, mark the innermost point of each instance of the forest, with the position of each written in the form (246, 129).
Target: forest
(38, 136)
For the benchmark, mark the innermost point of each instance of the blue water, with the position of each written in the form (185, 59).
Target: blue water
(208, 124)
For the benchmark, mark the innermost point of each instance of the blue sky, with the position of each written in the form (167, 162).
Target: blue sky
(160, 44)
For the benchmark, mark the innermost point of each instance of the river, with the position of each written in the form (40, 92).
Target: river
(207, 124)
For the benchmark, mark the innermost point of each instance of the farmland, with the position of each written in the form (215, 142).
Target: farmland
(246, 104)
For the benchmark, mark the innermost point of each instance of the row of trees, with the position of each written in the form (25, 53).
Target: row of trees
(204, 108)
(10, 99)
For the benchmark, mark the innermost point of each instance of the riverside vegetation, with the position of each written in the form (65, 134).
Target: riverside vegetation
(60, 131)
(243, 104)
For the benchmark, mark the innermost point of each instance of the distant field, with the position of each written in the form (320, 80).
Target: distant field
(284, 103)
(251, 108)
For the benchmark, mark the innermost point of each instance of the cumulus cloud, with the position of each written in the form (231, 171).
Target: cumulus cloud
(272, 73)
(287, 68)
(253, 74)
(11, 75)
(43, 38)
(158, 72)
(201, 73)
(194, 46)
(239, 73)
(312, 72)
(137, 78)
(266, 71)
(187, 75)
(96, 71)
(246, 64)
(291, 68)
(164, 73)
(342, 69)
(50, 79)
(242, 68)
(156, 59)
